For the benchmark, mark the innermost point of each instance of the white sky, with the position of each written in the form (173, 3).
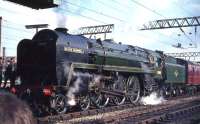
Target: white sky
(127, 16)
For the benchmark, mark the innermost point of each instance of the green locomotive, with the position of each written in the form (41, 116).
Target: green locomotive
(61, 69)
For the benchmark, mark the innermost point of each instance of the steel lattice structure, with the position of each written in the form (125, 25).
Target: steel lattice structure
(184, 54)
(96, 29)
(172, 23)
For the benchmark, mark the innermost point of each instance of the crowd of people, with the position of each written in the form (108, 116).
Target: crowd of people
(12, 110)
(7, 72)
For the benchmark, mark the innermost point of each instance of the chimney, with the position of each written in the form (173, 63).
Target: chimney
(63, 30)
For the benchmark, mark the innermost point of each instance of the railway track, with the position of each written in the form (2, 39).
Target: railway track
(129, 113)
(165, 115)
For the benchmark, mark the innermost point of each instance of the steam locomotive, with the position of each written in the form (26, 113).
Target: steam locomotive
(59, 70)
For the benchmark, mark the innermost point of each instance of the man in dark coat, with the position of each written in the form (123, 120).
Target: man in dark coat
(1, 71)
(10, 72)
(13, 71)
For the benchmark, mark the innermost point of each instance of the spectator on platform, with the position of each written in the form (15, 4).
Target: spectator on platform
(1, 70)
(14, 111)
(13, 71)
(10, 73)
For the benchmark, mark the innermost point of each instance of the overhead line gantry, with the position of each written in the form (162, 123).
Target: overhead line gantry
(172, 23)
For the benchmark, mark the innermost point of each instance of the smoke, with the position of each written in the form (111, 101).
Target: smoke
(61, 18)
(152, 99)
(150, 85)
(80, 85)
(72, 90)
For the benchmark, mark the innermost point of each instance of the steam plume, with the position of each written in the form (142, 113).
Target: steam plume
(80, 85)
(152, 99)
(61, 17)
(72, 90)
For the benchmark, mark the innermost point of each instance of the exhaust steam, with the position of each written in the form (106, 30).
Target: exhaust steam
(72, 90)
(80, 86)
(61, 18)
(152, 99)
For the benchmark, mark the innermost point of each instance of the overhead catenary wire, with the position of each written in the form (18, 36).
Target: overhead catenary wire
(149, 10)
(90, 18)
(145, 8)
(109, 6)
(25, 31)
(11, 38)
(121, 4)
(96, 20)
(17, 35)
(94, 11)
(13, 48)
(181, 7)
(185, 34)
(112, 7)
(155, 12)
(13, 23)
(17, 29)
(87, 17)
(9, 23)
(17, 12)
(190, 13)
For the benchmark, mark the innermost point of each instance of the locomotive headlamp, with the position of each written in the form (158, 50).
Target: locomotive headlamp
(158, 72)
(47, 91)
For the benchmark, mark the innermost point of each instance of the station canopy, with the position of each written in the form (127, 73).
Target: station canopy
(37, 4)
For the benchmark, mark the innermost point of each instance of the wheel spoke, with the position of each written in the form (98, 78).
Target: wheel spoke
(84, 103)
(120, 86)
(100, 100)
(119, 100)
(60, 104)
(133, 89)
